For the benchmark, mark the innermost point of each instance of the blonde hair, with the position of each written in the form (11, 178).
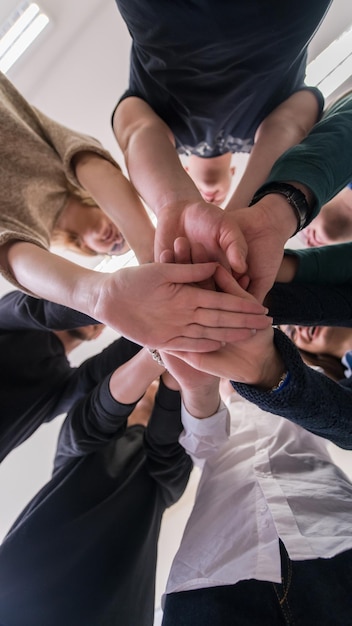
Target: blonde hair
(66, 239)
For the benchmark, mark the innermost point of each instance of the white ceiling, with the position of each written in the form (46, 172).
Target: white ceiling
(75, 73)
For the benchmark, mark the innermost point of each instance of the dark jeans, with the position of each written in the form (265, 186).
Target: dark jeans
(312, 593)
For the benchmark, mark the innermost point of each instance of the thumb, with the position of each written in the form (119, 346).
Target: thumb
(233, 243)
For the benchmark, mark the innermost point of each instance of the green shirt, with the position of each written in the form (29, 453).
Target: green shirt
(323, 160)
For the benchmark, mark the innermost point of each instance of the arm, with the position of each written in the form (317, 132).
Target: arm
(310, 304)
(154, 304)
(204, 416)
(115, 195)
(314, 287)
(83, 379)
(286, 126)
(310, 399)
(321, 162)
(326, 265)
(159, 177)
(319, 166)
(18, 311)
(306, 397)
(103, 413)
(87, 164)
(167, 461)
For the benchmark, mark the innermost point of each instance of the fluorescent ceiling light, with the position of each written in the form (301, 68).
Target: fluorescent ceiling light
(333, 66)
(19, 32)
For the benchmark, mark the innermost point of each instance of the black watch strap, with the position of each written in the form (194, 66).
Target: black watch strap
(295, 197)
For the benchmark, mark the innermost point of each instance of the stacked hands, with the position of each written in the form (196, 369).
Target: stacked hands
(201, 304)
(246, 354)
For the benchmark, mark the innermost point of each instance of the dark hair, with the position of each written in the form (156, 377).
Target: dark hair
(336, 225)
(331, 365)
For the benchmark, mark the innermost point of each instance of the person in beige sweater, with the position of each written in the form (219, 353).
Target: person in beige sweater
(45, 171)
(45, 200)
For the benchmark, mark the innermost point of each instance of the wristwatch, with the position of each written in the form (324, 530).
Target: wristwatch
(295, 197)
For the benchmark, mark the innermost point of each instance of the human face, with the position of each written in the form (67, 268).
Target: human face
(91, 229)
(320, 339)
(212, 176)
(333, 224)
(98, 233)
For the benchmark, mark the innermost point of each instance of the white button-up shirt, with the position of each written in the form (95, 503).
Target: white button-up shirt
(264, 478)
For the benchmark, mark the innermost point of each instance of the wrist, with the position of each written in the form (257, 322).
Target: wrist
(130, 381)
(177, 201)
(202, 402)
(273, 373)
(297, 197)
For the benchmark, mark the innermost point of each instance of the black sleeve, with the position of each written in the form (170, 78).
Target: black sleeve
(91, 372)
(167, 461)
(18, 311)
(91, 424)
(311, 304)
(310, 399)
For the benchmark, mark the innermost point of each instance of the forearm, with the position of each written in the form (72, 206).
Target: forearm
(285, 127)
(47, 275)
(102, 414)
(130, 381)
(167, 461)
(115, 195)
(310, 399)
(310, 304)
(20, 311)
(322, 160)
(152, 161)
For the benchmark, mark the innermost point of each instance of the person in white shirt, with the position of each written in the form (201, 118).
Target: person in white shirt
(269, 539)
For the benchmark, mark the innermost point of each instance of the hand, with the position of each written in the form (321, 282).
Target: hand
(254, 361)
(205, 223)
(157, 305)
(266, 226)
(249, 240)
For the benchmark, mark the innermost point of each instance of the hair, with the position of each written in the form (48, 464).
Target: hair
(336, 225)
(70, 241)
(331, 365)
(66, 239)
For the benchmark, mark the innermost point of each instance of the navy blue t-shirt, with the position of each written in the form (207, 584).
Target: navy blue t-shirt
(214, 70)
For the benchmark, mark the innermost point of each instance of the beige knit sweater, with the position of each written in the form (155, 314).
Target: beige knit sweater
(35, 164)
